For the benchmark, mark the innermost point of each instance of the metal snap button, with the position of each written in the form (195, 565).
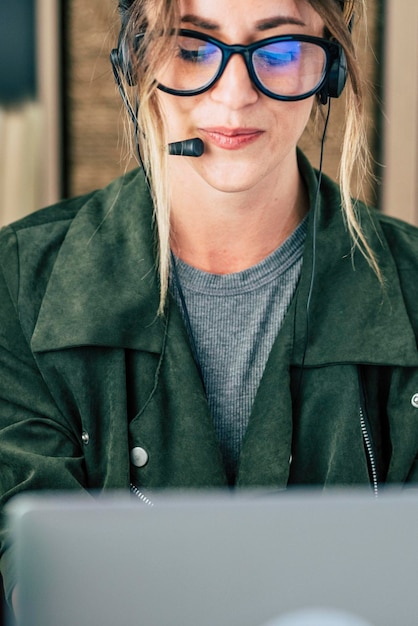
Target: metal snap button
(139, 457)
(414, 400)
(85, 438)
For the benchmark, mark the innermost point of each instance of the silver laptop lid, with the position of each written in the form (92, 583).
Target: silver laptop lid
(279, 560)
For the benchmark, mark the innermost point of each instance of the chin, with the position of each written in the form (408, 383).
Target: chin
(232, 185)
(235, 179)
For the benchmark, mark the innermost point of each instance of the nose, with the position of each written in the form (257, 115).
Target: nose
(235, 88)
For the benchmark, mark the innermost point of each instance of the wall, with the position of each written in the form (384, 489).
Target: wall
(30, 138)
(400, 189)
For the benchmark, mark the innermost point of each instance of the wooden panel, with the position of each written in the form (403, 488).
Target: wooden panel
(96, 126)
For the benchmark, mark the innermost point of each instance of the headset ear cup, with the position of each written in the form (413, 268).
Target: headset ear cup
(337, 77)
(121, 58)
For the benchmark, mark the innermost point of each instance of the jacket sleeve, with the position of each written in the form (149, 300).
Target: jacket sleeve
(37, 448)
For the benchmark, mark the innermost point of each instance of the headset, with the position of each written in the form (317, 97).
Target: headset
(122, 69)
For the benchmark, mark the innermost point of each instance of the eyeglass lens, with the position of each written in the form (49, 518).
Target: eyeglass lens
(286, 68)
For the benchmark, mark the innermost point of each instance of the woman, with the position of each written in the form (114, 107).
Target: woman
(262, 332)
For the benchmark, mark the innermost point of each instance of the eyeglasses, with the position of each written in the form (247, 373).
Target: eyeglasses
(287, 67)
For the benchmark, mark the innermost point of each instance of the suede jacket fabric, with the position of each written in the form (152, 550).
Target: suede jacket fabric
(88, 370)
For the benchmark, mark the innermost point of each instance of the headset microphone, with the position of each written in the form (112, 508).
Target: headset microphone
(190, 147)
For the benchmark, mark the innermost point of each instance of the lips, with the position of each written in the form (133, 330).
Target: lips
(231, 138)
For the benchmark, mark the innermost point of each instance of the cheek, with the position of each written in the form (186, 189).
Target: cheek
(177, 114)
(292, 117)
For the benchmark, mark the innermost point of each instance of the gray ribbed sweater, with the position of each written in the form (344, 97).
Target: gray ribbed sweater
(234, 320)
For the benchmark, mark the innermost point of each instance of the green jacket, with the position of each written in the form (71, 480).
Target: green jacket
(88, 371)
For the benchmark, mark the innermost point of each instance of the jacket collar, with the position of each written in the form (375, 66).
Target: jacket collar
(103, 289)
(352, 317)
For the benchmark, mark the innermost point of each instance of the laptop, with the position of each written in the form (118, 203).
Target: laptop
(277, 559)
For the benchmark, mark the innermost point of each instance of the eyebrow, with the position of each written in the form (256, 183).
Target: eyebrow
(261, 25)
(274, 22)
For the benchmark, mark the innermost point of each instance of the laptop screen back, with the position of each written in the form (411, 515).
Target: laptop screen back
(217, 560)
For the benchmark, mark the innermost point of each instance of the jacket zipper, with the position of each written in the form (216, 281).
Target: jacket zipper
(135, 491)
(367, 439)
(370, 453)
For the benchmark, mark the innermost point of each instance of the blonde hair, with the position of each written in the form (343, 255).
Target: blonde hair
(157, 19)
(355, 151)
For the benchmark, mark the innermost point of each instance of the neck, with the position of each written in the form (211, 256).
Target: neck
(223, 232)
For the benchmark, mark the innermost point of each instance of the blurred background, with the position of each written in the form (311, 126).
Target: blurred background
(61, 120)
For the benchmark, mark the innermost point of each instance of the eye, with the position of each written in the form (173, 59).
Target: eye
(280, 54)
(194, 51)
(188, 55)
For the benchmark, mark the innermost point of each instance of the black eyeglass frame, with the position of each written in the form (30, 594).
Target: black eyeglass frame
(332, 49)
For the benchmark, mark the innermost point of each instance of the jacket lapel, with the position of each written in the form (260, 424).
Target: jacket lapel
(352, 317)
(103, 288)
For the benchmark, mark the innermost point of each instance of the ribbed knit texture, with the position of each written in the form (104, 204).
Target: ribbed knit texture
(234, 320)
